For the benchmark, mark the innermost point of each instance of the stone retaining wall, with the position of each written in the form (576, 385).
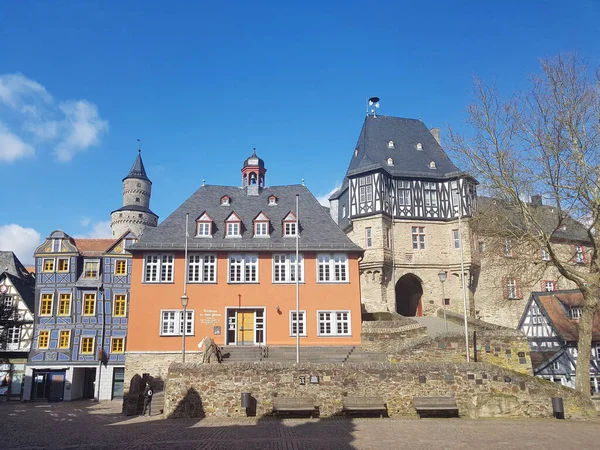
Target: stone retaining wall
(481, 390)
(389, 336)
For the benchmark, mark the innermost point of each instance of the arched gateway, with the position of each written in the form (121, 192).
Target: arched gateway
(408, 295)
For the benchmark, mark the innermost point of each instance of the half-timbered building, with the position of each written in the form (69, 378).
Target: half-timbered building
(401, 200)
(16, 322)
(551, 323)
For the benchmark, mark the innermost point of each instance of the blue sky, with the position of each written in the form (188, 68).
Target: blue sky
(202, 84)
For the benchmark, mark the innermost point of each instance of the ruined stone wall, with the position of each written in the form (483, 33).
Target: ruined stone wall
(480, 389)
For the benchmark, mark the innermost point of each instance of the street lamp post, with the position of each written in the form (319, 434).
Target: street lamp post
(184, 303)
(443, 274)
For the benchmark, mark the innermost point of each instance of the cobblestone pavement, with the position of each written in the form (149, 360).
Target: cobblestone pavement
(93, 426)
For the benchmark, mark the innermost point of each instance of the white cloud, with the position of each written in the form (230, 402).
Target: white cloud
(324, 199)
(12, 147)
(21, 241)
(68, 126)
(98, 229)
(85, 221)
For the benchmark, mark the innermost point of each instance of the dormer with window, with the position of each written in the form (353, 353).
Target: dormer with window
(272, 200)
(91, 269)
(391, 144)
(233, 226)
(261, 226)
(432, 165)
(225, 200)
(575, 312)
(290, 225)
(204, 226)
(390, 162)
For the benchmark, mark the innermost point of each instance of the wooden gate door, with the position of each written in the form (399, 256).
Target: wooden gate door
(245, 331)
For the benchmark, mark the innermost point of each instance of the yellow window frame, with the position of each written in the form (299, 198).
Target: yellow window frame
(63, 265)
(64, 305)
(89, 304)
(44, 339)
(46, 304)
(121, 267)
(91, 269)
(117, 345)
(64, 339)
(48, 265)
(87, 345)
(120, 305)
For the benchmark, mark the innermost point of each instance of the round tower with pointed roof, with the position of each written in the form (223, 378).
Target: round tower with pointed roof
(135, 214)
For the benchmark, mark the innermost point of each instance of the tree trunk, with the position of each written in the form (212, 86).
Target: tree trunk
(586, 322)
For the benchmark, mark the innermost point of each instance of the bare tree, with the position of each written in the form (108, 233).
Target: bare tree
(545, 141)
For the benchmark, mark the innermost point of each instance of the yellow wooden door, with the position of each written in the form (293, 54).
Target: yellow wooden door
(245, 323)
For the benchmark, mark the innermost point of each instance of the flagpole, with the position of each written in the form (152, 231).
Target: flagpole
(184, 297)
(297, 289)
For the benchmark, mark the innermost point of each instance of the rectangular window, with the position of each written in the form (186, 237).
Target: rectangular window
(63, 264)
(243, 268)
(418, 238)
(158, 268)
(365, 190)
(508, 250)
(166, 268)
(172, 323)
(388, 237)
(64, 339)
(151, 269)
(555, 365)
(117, 345)
(368, 238)
(203, 229)
(44, 339)
(87, 345)
(334, 323)
(545, 255)
(455, 239)
(14, 335)
(575, 313)
(202, 268)
(511, 288)
(91, 269)
(46, 304)
(548, 285)
(284, 268)
(233, 229)
(430, 191)
(8, 301)
(120, 305)
(56, 243)
(48, 265)
(299, 325)
(332, 268)
(579, 256)
(261, 229)
(404, 193)
(89, 304)
(64, 305)
(121, 267)
(289, 229)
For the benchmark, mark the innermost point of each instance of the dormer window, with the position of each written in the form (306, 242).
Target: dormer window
(261, 226)
(233, 226)
(575, 313)
(390, 162)
(225, 200)
(204, 226)
(419, 146)
(356, 152)
(272, 200)
(290, 225)
(432, 165)
(391, 144)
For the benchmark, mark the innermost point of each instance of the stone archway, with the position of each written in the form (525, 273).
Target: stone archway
(409, 291)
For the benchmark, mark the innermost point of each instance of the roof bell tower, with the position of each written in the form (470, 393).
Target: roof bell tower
(253, 174)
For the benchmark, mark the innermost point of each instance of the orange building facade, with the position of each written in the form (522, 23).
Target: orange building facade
(240, 274)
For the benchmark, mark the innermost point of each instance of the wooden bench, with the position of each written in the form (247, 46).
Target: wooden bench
(364, 404)
(429, 406)
(294, 405)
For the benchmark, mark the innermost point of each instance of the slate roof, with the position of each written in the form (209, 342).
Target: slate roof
(556, 306)
(253, 161)
(25, 287)
(11, 264)
(93, 247)
(138, 170)
(546, 215)
(137, 208)
(318, 231)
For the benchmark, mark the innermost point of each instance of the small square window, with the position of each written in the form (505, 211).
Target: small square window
(48, 265)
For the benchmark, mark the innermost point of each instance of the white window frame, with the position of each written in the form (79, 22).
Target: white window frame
(343, 211)
(8, 301)
(176, 319)
(418, 238)
(234, 229)
(549, 286)
(289, 229)
(508, 249)
(56, 244)
(285, 264)
(365, 189)
(261, 229)
(334, 270)
(160, 270)
(555, 365)
(455, 239)
(404, 193)
(244, 262)
(272, 200)
(579, 254)
(199, 268)
(302, 323)
(368, 237)
(203, 229)
(512, 289)
(575, 313)
(545, 255)
(334, 319)
(430, 194)
(13, 335)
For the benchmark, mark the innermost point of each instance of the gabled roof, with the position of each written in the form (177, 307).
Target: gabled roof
(138, 170)
(555, 306)
(11, 264)
(127, 235)
(204, 218)
(539, 360)
(262, 217)
(25, 287)
(233, 217)
(93, 247)
(290, 217)
(319, 231)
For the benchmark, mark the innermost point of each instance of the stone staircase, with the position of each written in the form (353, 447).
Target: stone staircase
(286, 354)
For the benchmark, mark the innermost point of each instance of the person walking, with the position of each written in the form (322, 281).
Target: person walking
(147, 399)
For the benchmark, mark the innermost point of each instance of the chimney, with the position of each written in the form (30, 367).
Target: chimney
(436, 134)
(536, 200)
